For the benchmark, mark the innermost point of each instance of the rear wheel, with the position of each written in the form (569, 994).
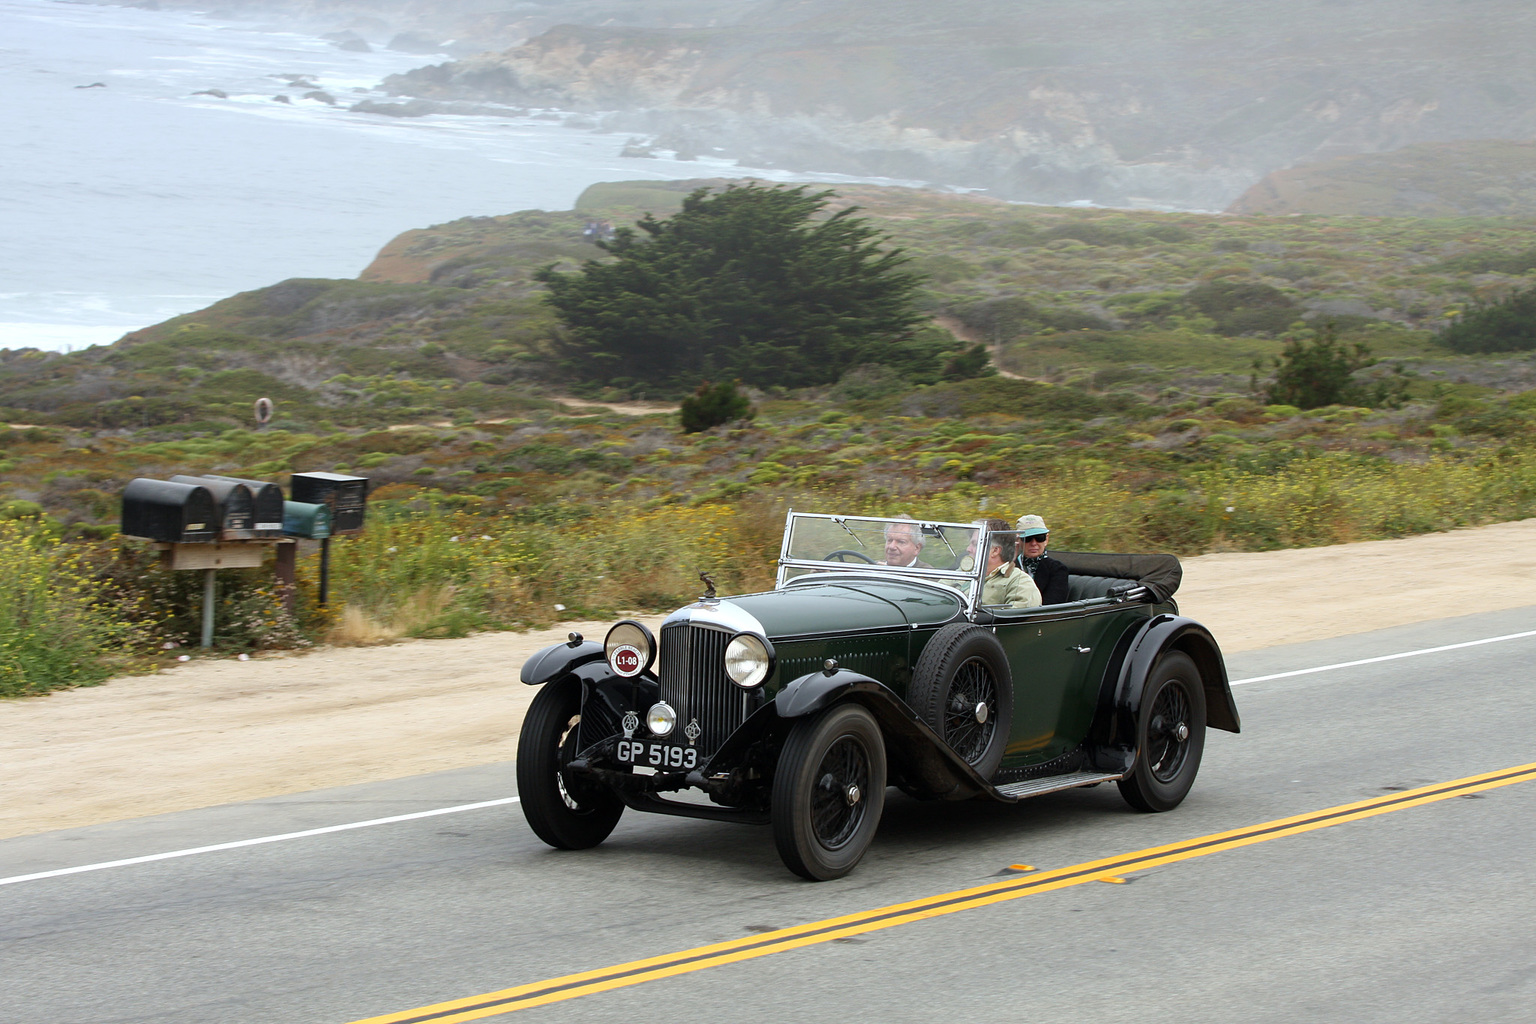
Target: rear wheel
(1170, 736)
(566, 812)
(962, 687)
(828, 792)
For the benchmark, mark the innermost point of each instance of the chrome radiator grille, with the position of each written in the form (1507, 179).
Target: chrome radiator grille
(694, 682)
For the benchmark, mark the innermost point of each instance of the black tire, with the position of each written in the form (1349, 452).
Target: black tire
(962, 670)
(1173, 702)
(829, 792)
(565, 812)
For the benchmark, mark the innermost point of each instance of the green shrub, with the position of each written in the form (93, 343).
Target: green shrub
(1513, 264)
(54, 632)
(714, 404)
(866, 381)
(1505, 326)
(1311, 374)
(1093, 232)
(1243, 308)
(165, 606)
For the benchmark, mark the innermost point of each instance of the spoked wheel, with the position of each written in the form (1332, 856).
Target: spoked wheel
(828, 792)
(1170, 736)
(848, 555)
(962, 687)
(969, 719)
(566, 812)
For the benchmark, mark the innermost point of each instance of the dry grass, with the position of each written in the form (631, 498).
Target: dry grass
(356, 628)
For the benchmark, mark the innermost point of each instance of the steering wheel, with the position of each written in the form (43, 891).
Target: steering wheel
(842, 555)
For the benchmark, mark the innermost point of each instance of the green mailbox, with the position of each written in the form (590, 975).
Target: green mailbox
(310, 522)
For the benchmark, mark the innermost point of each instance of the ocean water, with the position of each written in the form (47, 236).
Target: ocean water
(124, 203)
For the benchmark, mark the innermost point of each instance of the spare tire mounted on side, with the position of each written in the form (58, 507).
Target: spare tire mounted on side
(962, 686)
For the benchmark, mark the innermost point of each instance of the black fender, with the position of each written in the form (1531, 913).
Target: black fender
(920, 757)
(555, 661)
(605, 695)
(1113, 736)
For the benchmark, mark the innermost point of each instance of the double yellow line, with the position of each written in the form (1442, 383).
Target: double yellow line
(571, 986)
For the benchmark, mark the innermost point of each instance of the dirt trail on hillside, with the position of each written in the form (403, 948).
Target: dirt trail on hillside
(574, 406)
(214, 731)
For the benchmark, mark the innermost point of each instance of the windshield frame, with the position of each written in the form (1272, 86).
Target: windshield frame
(948, 578)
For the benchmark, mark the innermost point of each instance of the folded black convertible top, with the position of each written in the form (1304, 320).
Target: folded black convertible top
(1158, 573)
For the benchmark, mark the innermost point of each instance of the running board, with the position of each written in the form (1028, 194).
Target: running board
(1054, 783)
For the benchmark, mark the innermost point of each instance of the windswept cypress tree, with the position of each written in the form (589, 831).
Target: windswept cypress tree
(748, 283)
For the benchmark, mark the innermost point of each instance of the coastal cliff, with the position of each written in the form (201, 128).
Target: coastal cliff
(1120, 103)
(1456, 179)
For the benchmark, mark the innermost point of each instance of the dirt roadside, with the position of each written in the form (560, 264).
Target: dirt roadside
(215, 731)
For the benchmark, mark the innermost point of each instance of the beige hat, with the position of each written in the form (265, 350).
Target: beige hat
(1032, 526)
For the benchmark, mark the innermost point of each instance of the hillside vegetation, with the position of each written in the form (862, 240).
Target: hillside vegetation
(448, 322)
(1127, 414)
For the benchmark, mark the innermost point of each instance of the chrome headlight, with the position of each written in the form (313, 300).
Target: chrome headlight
(748, 660)
(630, 648)
(661, 719)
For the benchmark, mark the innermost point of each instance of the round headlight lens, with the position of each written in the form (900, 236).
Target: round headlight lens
(630, 648)
(661, 719)
(747, 661)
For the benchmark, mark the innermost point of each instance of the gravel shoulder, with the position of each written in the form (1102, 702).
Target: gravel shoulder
(215, 731)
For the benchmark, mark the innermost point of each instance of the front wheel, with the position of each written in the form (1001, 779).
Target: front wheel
(1170, 736)
(566, 812)
(828, 792)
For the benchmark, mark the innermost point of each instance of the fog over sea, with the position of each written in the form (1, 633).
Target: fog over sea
(124, 204)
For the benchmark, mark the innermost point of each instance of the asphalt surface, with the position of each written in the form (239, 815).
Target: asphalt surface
(1427, 913)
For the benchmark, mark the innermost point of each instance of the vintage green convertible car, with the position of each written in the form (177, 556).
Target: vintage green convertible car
(873, 662)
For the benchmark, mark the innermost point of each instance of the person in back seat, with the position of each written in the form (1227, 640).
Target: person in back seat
(1050, 576)
(1005, 583)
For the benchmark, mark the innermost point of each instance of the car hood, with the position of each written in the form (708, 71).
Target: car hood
(834, 607)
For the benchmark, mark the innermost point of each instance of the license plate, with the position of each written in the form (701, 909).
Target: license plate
(656, 755)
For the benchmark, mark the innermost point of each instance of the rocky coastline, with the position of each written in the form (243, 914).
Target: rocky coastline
(1125, 104)
(1053, 105)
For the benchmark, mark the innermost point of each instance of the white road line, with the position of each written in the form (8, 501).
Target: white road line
(1385, 657)
(512, 799)
(257, 842)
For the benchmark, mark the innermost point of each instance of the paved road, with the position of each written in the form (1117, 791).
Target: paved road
(1423, 914)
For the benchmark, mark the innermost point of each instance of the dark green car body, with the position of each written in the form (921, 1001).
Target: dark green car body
(1071, 680)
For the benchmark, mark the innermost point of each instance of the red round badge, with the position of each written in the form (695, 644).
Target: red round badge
(626, 661)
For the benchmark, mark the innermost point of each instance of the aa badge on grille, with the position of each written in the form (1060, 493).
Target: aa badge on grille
(631, 723)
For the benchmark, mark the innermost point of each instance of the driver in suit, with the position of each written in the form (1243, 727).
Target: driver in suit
(904, 543)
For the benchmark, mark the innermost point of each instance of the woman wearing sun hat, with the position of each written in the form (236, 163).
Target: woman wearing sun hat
(1050, 576)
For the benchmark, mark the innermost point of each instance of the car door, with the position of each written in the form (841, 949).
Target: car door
(1045, 651)
(1096, 631)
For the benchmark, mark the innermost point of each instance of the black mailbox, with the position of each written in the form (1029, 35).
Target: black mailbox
(171, 512)
(236, 506)
(347, 496)
(269, 505)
